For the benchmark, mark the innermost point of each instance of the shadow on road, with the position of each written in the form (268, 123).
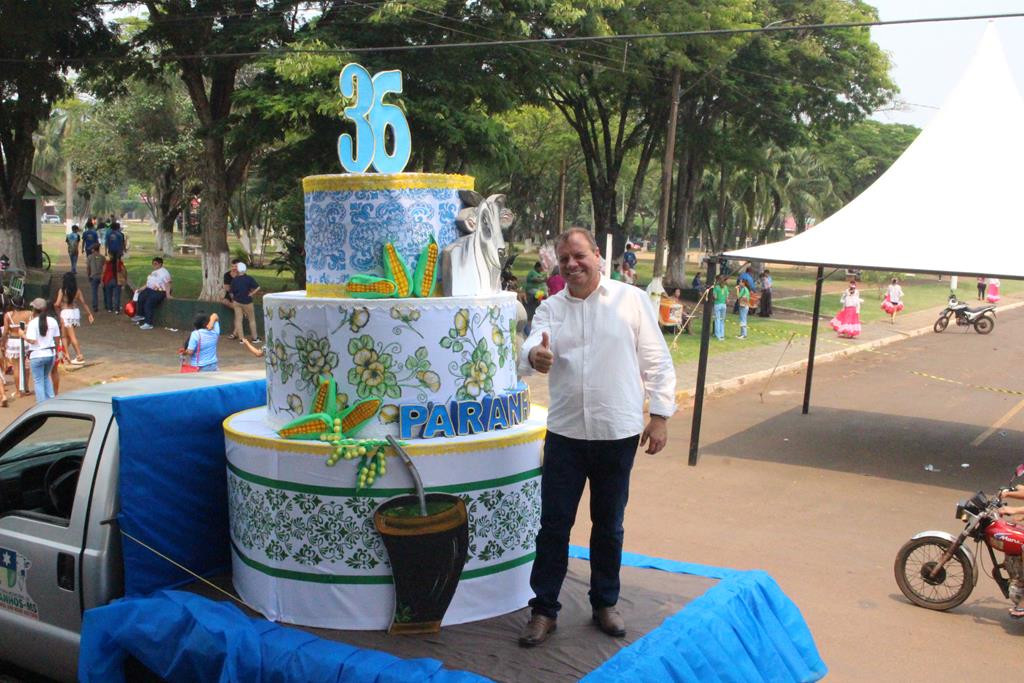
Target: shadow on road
(910, 449)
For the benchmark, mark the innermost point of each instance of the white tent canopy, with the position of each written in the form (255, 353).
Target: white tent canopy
(950, 204)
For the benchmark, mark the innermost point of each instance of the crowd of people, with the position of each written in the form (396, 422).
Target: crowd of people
(38, 339)
(748, 292)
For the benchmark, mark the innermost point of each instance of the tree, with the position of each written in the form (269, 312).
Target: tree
(540, 142)
(856, 157)
(50, 160)
(778, 88)
(214, 47)
(147, 135)
(806, 187)
(51, 39)
(615, 99)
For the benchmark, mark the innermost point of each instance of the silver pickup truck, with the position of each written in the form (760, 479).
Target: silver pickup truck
(58, 493)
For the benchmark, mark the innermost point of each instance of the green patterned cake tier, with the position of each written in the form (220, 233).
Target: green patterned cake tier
(401, 351)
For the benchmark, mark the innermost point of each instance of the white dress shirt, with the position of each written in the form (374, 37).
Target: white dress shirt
(608, 350)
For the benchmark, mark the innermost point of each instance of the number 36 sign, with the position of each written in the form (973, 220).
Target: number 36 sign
(372, 118)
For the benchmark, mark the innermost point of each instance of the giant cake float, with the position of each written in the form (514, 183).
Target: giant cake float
(402, 332)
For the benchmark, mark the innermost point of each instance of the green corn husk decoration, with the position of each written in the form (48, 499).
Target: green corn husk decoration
(396, 270)
(325, 399)
(426, 269)
(307, 427)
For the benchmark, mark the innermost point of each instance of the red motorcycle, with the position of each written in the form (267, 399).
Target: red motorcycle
(938, 571)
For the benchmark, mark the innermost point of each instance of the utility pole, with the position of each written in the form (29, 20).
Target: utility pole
(561, 199)
(666, 176)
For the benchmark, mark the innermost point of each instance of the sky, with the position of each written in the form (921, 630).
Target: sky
(928, 59)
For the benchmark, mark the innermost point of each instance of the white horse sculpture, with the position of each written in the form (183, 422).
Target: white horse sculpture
(471, 265)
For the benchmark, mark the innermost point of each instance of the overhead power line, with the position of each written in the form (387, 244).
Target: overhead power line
(564, 40)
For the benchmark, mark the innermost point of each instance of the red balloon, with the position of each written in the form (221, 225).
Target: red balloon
(129, 309)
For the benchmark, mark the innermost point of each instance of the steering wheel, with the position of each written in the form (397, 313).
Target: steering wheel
(60, 482)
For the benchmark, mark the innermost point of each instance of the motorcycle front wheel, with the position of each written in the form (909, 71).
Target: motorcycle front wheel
(948, 588)
(984, 324)
(941, 324)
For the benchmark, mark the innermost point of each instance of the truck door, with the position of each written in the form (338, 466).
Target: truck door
(43, 507)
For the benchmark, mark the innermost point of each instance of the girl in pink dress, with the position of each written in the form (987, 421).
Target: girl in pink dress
(847, 320)
(992, 293)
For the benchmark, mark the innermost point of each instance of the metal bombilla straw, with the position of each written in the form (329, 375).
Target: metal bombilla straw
(413, 471)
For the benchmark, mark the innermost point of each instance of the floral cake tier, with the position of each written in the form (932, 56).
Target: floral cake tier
(304, 547)
(350, 217)
(400, 351)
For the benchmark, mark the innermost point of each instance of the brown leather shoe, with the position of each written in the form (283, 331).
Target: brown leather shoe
(610, 621)
(537, 630)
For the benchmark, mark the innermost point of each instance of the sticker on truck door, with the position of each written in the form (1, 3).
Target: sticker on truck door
(14, 595)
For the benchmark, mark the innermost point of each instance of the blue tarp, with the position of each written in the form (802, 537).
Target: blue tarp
(744, 629)
(173, 481)
(185, 637)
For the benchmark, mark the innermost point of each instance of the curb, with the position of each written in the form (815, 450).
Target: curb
(728, 385)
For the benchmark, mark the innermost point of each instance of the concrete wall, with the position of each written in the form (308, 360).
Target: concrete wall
(179, 314)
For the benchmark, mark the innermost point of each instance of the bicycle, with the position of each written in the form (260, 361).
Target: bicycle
(12, 289)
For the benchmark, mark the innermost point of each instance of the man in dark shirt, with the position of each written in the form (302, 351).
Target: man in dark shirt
(242, 288)
(228, 277)
(116, 243)
(90, 238)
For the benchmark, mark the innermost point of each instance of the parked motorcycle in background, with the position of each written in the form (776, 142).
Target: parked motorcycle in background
(938, 571)
(982, 318)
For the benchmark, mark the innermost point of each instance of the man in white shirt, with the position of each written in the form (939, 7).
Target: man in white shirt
(158, 288)
(601, 344)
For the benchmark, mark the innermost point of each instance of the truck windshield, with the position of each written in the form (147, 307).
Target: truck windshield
(39, 462)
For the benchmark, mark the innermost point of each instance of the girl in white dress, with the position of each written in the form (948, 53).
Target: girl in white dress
(893, 302)
(71, 303)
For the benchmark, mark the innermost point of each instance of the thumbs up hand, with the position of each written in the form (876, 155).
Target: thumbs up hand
(541, 356)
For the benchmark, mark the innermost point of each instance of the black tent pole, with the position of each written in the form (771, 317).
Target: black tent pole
(814, 338)
(702, 362)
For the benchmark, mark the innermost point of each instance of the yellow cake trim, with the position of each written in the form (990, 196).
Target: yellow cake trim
(413, 448)
(338, 291)
(335, 291)
(388, 181)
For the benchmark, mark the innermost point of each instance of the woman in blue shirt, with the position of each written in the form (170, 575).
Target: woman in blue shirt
(202, 343)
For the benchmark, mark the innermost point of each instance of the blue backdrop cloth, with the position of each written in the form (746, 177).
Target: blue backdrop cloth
(742, 630)
(185, 637)
(173, 481)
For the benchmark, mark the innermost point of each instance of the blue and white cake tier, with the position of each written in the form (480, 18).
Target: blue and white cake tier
(350, 217)
(405, 352)
(304, 547)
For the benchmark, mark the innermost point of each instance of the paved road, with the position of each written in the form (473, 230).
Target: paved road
(824, 501)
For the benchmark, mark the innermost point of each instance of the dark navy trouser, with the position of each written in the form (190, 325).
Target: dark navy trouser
(568, 464)
(149, 299)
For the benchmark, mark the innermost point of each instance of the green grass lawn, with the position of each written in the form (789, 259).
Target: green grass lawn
(760, 331)
(186, 271)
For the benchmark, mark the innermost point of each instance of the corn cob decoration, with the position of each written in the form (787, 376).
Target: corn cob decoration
(335, 427)
(396, 270)
(326, 398)
(397, 281)
(426, 269)
(307, 427)
(370, 287)
(356, 416)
